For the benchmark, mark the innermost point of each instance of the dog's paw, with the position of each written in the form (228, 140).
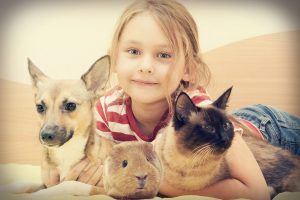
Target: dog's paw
(66, 188)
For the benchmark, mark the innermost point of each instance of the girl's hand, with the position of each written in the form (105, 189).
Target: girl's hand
(244, 168)
(87, 172)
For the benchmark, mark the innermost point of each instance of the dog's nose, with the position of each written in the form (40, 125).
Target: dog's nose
(48, 137)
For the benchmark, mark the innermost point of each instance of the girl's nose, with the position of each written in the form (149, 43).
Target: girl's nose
(146, 64)
(148, 70)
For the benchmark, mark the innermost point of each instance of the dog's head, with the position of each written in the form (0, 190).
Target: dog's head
(65, 107)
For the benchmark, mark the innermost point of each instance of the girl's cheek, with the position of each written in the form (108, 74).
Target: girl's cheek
(166, 68)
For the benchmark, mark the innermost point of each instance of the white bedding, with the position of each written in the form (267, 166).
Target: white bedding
(19, 172)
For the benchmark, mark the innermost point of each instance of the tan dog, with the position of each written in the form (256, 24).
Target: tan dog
(67, 127)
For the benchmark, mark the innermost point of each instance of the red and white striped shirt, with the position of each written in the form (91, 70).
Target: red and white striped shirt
(115, 119)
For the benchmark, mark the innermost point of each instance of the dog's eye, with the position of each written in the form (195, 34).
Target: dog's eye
(70, 106)
(40, 108)
(124, 163)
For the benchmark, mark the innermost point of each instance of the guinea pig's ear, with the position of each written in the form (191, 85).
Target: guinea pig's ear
(149, 150)
(149, 146)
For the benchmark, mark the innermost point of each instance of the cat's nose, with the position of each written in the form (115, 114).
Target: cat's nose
(224, 137)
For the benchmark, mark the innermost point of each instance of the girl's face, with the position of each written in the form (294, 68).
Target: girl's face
(145, 61)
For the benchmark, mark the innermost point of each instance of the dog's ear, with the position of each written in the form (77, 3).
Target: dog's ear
(36, 74)
(96, 78)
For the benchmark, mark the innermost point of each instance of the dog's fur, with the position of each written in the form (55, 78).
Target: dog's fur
(67, 126)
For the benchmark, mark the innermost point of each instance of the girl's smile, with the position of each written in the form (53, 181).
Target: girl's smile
(144, 82)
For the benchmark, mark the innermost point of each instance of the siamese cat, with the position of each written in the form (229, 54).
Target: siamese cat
(193, 148)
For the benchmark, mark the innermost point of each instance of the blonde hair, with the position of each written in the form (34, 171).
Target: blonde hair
(181, 30)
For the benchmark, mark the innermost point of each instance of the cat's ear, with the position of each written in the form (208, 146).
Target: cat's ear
(221, 102)
(183, 107)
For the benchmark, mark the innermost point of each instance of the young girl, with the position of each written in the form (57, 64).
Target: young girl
(155, 54)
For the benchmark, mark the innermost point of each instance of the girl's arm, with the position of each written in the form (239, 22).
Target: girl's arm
(84, 171)
(87, 172)
(247, 179)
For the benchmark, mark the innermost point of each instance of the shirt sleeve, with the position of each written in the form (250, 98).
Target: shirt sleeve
(200, 97)
(102, 127)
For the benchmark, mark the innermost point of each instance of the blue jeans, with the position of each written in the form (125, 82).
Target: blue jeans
(279, 128)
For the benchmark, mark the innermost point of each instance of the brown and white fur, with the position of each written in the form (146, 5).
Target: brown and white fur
(132, 170)
(193, 149)
(67, 126)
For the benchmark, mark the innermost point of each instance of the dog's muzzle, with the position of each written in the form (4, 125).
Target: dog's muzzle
(55, 136)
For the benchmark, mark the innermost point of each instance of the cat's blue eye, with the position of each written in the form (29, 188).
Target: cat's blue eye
(70, 106)
(40, 108)
(164, 55)
(134, 51)
(124, 163)
(210, 129)
(226, 126)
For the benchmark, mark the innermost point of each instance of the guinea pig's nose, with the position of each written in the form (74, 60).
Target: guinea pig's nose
(141, 177)
(141, 180)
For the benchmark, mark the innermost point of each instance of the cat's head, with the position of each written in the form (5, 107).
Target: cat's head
(208, 126)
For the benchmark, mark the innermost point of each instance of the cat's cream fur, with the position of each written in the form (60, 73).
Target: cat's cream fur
(183, 169)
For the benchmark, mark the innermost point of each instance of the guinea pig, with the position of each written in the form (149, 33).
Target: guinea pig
(132, 170)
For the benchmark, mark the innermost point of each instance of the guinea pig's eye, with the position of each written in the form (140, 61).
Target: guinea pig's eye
(149, 158)
(124, 163)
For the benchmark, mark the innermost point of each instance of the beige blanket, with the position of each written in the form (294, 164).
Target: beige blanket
(16, 172)
(20, 172)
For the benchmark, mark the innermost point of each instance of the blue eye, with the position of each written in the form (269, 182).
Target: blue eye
(70, 106)
(134, 52)
(226, 126)
(209, 128)
(40, 108)
(124, 163)
(164, 55)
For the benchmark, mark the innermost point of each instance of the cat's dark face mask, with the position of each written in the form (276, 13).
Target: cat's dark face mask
(205, 127)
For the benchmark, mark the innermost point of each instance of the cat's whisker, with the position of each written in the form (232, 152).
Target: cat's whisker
(205, 156)
(197, 154)
(200, 147)
(202, 158)
(201, 153)
(210, 151)
(199, 150)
